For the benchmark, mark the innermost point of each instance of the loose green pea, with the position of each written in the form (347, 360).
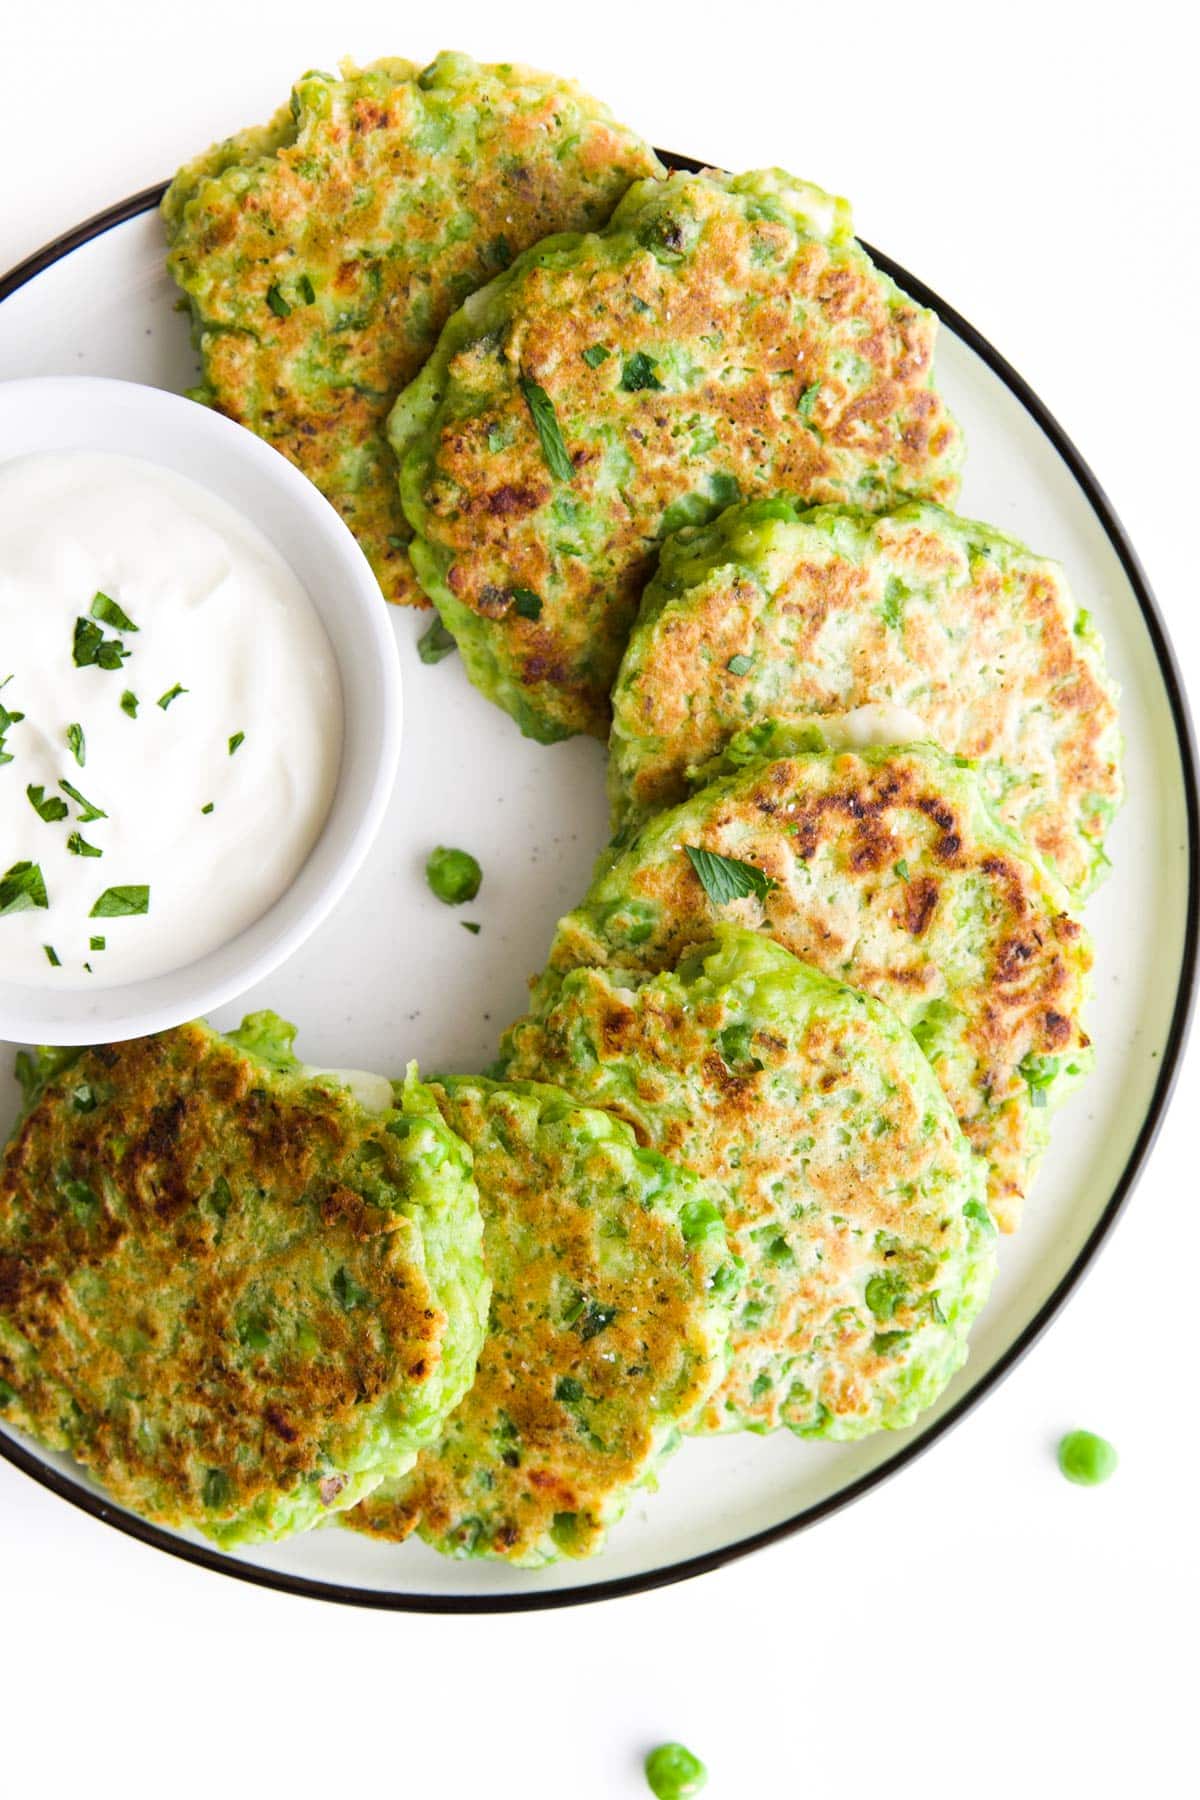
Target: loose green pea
(673, 1772)
(453, 875)
(1085, 1458)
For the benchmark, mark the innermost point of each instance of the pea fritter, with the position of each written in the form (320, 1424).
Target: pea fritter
(773, 611)
(612, 1288)
(850, 1193)
(235, 1295)
(322, 253)
(886, 869)
(724, 337)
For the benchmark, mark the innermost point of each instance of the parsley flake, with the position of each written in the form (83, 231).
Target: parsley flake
(129, 703)
(79, 846)
(526, 604)
(435, 644)
(595, 354)
(164, 700)
(545, 419)
(807, 401)
(95, 943)
(236, 741)
(50, 810)
(77, 744)
(740, 665)
(52, 956)
(639, 372)
(208, 808)
(121, 903)
(7, 719)
(726, 878)
(22, 887)
(91, 648)
(88, 810)
(109, 613)
(275, 300)
(901, 869)
(471, 926)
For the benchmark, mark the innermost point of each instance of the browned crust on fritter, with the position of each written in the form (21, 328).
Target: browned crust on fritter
(858, 821)
(772, 300)
(397, 287)
(1013, 656)
(132, 1306)
(541, 1241)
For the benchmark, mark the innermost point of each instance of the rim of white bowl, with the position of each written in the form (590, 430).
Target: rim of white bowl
(88, 412)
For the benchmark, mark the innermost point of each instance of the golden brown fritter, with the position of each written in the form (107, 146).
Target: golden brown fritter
(610, 1315)
(850, 1194)
(323, 252)
(724, 336)
(238, 1298)
(771, 612)
(888, 871)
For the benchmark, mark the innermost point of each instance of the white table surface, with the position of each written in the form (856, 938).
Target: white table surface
(976, 1626)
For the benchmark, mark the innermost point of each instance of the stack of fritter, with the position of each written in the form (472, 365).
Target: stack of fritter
(677, 474)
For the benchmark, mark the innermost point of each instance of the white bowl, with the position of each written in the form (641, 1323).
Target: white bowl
(83, 413)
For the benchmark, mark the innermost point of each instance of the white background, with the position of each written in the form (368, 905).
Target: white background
(976, 1626)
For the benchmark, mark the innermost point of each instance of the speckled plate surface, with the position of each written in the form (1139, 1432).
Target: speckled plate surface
(392, 975)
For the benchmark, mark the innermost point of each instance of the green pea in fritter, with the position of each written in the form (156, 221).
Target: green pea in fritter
(724, 337)
(322, 253)
(851, 1194)
(886, 869)
(771, 611)
(611, 1296)
(233, 1293)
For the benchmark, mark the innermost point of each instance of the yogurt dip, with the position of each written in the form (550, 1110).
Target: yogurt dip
(170, 721)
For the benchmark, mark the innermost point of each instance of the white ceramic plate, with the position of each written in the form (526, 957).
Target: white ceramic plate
(392, 975)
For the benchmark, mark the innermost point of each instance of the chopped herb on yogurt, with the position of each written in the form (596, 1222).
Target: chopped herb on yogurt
(51, 809)
(91, 647)
(173, 693)
(76, 743)
(22, 886)
(87, 808)
(7, 721)
(78, 845)
(105, 609)
(121, 903)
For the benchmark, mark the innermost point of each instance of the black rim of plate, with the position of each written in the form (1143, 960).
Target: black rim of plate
(67, 1488)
